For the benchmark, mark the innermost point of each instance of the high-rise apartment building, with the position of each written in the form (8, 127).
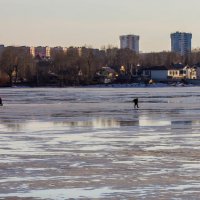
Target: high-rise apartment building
(181, 43)
(130, 42)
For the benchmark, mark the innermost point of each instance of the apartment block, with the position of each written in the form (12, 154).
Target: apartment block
(130, 41)
(181, 43)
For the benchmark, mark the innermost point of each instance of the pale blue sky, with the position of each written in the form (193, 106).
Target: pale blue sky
(97, 22)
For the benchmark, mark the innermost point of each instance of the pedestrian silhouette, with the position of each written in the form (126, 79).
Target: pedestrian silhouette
(1, 104)
(135, 101)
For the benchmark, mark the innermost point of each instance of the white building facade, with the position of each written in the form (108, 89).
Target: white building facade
(156, 73)
(181, 43)
(130, 41)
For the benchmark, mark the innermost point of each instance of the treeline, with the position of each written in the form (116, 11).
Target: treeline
(78, 66)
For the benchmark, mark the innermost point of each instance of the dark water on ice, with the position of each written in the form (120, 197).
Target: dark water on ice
(90, 143)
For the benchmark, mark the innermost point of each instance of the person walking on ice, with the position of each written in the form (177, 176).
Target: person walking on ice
(1, 103)
(135, 101)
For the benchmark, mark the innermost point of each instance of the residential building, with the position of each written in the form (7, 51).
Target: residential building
(130, 41)
(181, 43)
(40, 51)
(155, 73)
(59, 49)
(192, 72)
(2, 47)
(32, 51)
(84, 51)
(56, 50)
(106, 75)
(177, 71)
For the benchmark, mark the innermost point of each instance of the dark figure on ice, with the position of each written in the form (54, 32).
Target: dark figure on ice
(135, 101)
(1, 104)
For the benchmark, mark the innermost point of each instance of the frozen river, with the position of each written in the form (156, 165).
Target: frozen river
(90, 143)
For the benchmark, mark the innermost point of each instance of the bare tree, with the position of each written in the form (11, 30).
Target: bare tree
(9, 62)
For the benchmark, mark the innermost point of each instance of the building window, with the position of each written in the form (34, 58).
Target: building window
(147, 73)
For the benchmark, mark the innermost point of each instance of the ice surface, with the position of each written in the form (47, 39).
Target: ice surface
(88, 143)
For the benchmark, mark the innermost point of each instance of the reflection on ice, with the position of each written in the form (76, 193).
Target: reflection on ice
(42, 125)
(192, 165)
(60, 194)
(146, 121)
(94, 123)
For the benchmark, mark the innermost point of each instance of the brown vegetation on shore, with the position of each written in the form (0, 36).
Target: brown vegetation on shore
(71, 67)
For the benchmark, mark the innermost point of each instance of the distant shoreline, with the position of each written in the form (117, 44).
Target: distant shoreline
(124, 85)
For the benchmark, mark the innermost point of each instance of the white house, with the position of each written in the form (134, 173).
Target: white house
(192, 72)
(177, 71)
(156, 73)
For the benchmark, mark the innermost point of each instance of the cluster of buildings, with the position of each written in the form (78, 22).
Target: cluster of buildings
(47, 52)
(180, 42)
(173, 73)
(34, 51)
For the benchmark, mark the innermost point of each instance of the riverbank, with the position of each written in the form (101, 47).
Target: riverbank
(124, 85)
